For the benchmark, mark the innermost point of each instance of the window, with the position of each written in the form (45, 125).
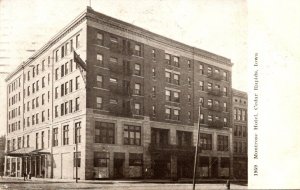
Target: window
(27, 143)
(77, 132)
(100, 39)
(153, 73)
(135, 159)
(176, 97)
(113, 101)
(201, 118)
(114, 80)
(138, 50)
(153, 54)
(66, 88)
(42, 138)
(62, 70)
(176, 79)
(168, 113)
(56, 111)
(67, 48)
(99, 102)
(70, 106)
(113, 39)
(189, 64)
(243, 115)
(225, 106)
(189, 98)
(223, 143)
(209, 118)
(56, 74)
(168, 95)
(100, 59)
(205, 141)
(77, 83)
(19, 142)
(77, 43)
(209, 70)
(168, 77)
(62, 51)
(101, 159)
(104, 132)
(62, 109)
(209, 86)
(55, 137)
(66, 68)
(66, 135)
(37, 141)
(225, 91)
(153, 92)
(225, 122)
(137, 108)
(137, 89)
(137, 69)
(189, 116)
(176, 114)
(99, 81)
(33, 88)
(71, 85)
(43, 116)
(66, 108)
(209, 103)
(33, 72)
(201, 69)
(225, 75)
(56, 92)
(62, 90)
(132, 135)
(28, 75)
(77, 104)
(168, 58)
(189, 81)
(176, 61)
(77, 159)
(43, 82)
(153, 111)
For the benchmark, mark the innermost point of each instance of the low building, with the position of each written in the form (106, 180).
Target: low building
(240, 134)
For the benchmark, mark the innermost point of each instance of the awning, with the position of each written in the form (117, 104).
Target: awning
(28, 151)
(20, 152)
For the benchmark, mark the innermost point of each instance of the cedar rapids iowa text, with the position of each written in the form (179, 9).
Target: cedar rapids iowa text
(256, 112)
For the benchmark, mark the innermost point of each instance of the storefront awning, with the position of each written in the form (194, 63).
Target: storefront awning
(28, 151)
(20, 152)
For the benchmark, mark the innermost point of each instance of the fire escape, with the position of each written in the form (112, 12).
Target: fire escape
(122, 89)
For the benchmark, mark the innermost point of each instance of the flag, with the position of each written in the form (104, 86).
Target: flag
(79, 61)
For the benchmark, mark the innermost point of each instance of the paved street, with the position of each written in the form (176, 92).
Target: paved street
(107, 185)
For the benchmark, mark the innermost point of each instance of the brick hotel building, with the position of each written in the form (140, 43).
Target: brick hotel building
(240, 134)
(131, 105)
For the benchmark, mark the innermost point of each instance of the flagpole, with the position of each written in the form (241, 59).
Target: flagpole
(196, 152)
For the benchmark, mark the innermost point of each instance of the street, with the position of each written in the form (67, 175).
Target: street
(107, 185)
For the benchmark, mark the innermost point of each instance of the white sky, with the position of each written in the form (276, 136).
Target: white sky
(212, 25)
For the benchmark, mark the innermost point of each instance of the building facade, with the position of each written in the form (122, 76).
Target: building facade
(240, 134)
(129, 101)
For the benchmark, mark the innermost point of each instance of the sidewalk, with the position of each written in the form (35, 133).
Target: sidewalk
(117, 181)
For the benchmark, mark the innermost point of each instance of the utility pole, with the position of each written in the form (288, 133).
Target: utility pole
(196, 152)
(76, 152)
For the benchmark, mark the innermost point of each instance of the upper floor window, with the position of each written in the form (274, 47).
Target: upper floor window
(77, 43)
(209, 70)
(104, 132)
(66, 135)
(168, 58)
(168, 77)
(132, 135)
(176, 79)
(137, 108)
(99, 81)
(225, 75)
(189, 64)
(55, 137)
(113, 60)
(201, 69)
(113, 39)
(137, 69)
(138, 50)
(153, 54)
(201, 85)
(176, 114)
(100, 59)
(99, 103)
(176, 61)
(100, 38)
(137, 88)
(223, 143)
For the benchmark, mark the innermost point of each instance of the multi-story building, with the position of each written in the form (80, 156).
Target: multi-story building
(240, 137)
(131, 101)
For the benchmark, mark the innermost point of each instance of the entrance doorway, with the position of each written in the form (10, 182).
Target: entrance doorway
(119, 164)
(214, 167)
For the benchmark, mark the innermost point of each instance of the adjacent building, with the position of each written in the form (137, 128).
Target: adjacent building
(128, 98)
(240, 134)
